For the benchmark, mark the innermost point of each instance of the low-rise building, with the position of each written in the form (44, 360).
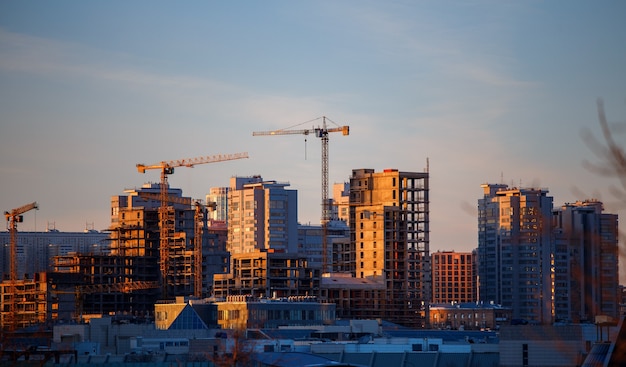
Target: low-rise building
(356, 298)
(469, 316)
(183, 314)
(267, 274)
(241, 312)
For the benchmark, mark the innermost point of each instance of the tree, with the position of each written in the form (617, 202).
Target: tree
(236, 351)
(611, 154)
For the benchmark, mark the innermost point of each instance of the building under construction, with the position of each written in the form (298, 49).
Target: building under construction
(128, 280)
(389, 229)
(267, 274)
(29, 297)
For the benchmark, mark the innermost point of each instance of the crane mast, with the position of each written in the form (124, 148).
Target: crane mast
(199, 215)
(14, 217)
(322, 133)
(166, 215)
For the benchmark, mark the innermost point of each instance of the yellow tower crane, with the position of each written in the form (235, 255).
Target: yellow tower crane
(322, 133)
(13, 217)
(166, 216)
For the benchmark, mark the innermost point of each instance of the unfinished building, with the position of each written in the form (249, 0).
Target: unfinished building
(389, 227)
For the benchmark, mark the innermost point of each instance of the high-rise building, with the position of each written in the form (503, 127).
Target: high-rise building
(341, 202)
(218, 196)
(135, 232)
(389, 225)
(586, 281)
(514, 250)
(453, 277)
(262, 215)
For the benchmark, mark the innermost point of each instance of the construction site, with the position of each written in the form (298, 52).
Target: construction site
(160, 247)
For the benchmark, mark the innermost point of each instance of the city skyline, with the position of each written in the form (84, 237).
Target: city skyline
(487, 93)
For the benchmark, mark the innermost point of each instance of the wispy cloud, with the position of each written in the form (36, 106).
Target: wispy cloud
(28, 54)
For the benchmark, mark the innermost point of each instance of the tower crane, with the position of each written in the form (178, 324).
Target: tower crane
(199, 215)
(322, 133)
(13, 217)
(166, 217)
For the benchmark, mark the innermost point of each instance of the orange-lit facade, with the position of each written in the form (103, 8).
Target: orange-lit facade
(469, 316)
(453, 277)
(389, 228)
(30, 297)
(267, 274)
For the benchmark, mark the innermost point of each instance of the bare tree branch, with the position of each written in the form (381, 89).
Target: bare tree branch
(611, 155)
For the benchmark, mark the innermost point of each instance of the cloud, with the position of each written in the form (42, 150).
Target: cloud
(50, 58)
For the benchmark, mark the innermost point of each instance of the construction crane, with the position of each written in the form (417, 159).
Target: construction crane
(13, 217)
(166, 216)
(199, 215)
(322, 133)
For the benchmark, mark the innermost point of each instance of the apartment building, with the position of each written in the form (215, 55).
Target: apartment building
(469, 316)
(340, 210)
(389, 226)
(267, 274)
(310, 238)
(453, 277)
(219, 197)
(586, 278)
(135, 232)
(262, 215)
(515, 251)
(24, 302)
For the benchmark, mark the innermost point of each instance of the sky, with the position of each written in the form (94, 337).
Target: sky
(484, 91)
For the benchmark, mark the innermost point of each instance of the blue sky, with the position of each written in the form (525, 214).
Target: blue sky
(488, 91)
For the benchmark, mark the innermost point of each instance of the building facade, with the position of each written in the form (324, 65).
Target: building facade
(586, 279)
(135, 232)
(515, 251)
(453, 277)
(262, 215)
(310, 243)
(241, 312)
(129, 278)
(24, 302)
(340, 210)
(389, 226)
(35, 250)
(356, 298)
(469, 316)
(267, 274)
(185, 314)
(219, 196)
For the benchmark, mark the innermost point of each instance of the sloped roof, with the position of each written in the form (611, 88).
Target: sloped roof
(188, 318)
